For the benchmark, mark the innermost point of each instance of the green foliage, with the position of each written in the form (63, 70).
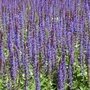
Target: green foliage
(48, 82)
(80, 81)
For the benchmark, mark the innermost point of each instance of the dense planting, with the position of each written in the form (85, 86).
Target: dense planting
(44, 38)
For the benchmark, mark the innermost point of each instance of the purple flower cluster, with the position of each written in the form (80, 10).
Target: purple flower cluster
(38, 28)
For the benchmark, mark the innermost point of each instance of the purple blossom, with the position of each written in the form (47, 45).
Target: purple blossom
(35, 28)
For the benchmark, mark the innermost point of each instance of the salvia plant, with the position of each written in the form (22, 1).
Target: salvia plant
(41, 37)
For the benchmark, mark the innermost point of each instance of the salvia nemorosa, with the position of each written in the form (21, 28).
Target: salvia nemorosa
(35, 31)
